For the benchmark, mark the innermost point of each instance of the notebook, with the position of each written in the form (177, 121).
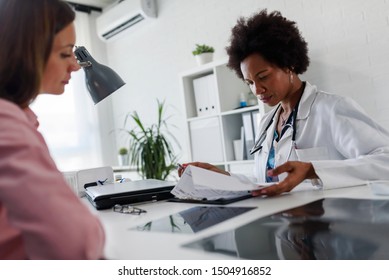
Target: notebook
(106, 196)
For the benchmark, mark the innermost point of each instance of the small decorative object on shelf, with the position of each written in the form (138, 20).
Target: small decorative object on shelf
(123, 156)
(252, 99)
(203, 54)
(242, 100)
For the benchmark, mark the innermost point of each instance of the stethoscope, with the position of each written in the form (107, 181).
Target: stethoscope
(258, 144)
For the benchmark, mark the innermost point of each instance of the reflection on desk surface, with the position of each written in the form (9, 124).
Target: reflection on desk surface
(331, 228)
(194, 219)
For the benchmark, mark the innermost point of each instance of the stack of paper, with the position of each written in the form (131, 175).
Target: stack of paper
(201, 184)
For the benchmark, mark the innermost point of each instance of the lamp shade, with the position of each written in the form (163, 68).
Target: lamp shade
(101, 80)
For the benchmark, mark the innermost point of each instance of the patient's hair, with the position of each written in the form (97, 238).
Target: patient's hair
(27, 30)
(272, 36)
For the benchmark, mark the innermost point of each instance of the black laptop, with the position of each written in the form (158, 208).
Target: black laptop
(106, 196)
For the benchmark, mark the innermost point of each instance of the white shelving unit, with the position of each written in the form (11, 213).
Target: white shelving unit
(210, 138)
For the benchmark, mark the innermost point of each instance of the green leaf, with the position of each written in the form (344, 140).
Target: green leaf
(202, 49)
(150, 147)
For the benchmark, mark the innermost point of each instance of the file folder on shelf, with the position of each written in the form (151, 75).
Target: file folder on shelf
(205, 95)
(255, 115)
(248, 134)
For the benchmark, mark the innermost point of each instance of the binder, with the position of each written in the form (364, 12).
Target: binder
(200, 93)
(205, 95)
(248, 133)
(255, 115)
(212, 95)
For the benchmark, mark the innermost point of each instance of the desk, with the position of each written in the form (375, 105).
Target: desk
(124, 243)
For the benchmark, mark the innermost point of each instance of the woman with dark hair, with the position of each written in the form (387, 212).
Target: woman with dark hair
(309, 134)
(40, 216)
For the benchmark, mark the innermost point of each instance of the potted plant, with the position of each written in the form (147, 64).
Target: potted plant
(150, 147)
(203, 54)
(123, 156)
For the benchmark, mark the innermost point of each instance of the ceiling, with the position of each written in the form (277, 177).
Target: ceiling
(94, 3)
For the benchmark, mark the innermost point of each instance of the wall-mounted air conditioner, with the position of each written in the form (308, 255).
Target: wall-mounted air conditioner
(124, 15)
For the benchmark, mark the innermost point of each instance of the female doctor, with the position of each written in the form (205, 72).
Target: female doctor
(309, 134)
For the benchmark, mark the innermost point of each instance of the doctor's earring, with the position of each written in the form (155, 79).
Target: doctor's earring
(291, 78)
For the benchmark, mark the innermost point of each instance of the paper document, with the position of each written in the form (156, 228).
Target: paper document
(202, 184)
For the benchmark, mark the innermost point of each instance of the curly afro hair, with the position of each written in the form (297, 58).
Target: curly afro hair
(274, 37)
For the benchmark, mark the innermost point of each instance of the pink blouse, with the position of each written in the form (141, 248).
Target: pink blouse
(40, 216)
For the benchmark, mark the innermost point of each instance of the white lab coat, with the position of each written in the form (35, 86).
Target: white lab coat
(345, 146)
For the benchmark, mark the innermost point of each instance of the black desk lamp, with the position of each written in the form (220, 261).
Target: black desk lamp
(101, 80)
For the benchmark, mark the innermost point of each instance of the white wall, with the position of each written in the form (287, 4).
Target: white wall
(104, 108)
(348, 43)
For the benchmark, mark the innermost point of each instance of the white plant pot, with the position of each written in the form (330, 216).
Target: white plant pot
(204, 58)
(123, 160)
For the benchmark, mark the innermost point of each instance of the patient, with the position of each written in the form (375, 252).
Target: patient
(40, 216)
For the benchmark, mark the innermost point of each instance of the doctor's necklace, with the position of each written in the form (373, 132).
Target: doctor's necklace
(284, 121)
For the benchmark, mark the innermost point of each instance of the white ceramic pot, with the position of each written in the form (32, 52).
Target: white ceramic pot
(204, 58)
(123, 160)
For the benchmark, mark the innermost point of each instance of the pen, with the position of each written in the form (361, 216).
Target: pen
(180, 166)
(101, 182)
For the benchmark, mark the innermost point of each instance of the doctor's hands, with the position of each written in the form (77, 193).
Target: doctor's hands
(201, 165)
(297, 172)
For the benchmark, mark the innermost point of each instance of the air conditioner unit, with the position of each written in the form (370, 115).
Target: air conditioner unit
(124, 15)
